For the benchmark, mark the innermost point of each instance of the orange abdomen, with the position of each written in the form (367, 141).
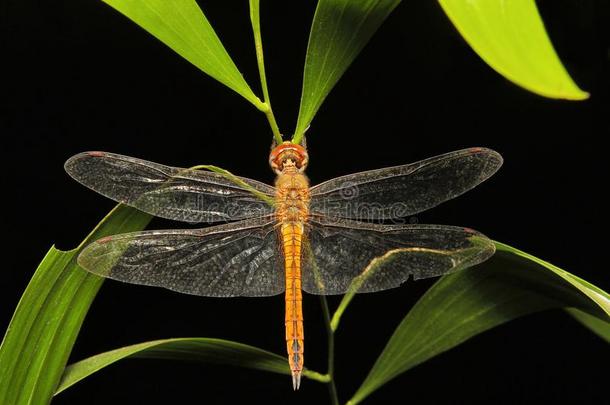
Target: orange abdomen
(292, 233)
(292, 211)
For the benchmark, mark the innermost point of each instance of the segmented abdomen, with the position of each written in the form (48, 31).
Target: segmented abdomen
(292, 233)
(292, 210)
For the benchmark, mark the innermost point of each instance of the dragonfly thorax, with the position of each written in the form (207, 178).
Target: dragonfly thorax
(292, 196)
(288, 158)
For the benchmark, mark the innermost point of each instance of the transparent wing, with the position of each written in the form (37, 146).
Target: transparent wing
(401, 191)
(237, 259)
(378, 257)
(169, 192)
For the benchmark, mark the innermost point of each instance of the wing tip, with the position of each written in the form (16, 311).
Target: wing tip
(493, 157)
(73, 161)
(487, 247)
(98, 258)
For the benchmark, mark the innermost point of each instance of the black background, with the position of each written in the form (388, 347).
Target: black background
(78, 76)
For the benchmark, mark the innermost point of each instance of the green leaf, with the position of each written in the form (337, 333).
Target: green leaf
(461, 305)
(181, 25)
(595, 324)
(205, 350)
(340, 29)
(49, 315)
(510, 37)
(215, 351)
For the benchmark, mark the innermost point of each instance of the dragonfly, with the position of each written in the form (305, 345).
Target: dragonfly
(347, 234)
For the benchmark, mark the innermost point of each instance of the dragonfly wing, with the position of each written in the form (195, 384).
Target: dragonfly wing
(401, 191)
(343, 255)
(169, 192)
(237, 259)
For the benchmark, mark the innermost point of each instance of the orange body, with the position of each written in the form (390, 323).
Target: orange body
(292, 202)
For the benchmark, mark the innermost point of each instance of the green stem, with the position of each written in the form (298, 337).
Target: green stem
(314, 375)
(347, 298)
(297, 138)
(258, 44)
(332, 387)
(230, 176)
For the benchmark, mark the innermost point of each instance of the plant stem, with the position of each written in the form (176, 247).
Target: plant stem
(258, 44)
(297, 138)
(314, 375)
(347, 298)
(230, 176)
(332, 387)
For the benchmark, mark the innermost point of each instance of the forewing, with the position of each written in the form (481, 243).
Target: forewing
(401, 191)
(170, 192)
(365, 257)
(238, 259)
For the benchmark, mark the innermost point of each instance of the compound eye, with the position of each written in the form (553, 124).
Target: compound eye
(275, 164)
(274, 158)
(303, 162)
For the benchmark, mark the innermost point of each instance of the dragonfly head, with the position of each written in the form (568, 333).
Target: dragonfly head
(288, 156)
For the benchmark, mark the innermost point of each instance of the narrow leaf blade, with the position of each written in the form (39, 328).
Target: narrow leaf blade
(510, 37)
(596, 325)
(215, 351)
(340, 29)
(182, 26)
(49, 315)
(459, 306)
